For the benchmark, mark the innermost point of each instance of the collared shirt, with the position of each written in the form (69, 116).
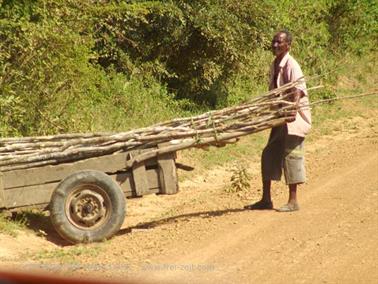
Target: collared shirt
(290, 71)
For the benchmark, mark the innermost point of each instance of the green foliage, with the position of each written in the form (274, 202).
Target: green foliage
(49, 83)
(45, 70)
(353, 25)
(136, 102)
(193, 47)
(68, 66)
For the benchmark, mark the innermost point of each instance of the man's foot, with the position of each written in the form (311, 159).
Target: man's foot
(290, 207)
(260, 205)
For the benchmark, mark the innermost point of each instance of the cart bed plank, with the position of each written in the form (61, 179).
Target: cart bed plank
(41, 194)
(47, 174)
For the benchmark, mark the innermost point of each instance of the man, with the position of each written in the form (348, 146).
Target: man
(285, 145)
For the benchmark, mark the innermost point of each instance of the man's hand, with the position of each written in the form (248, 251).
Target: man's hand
(296, 97)
(291, 116)
(293, 113)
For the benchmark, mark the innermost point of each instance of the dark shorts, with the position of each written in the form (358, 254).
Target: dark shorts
(285, 152)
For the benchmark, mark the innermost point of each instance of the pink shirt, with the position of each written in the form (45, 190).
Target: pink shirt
(290, 71)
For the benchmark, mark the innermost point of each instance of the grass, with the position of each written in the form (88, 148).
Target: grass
(11, 227)
(66, 254)
(246, 150)
(32, 219)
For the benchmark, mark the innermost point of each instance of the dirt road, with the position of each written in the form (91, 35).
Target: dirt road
(333, 239)
(203, 235)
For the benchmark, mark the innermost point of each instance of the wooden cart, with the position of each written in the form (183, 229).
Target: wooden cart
(86, 198)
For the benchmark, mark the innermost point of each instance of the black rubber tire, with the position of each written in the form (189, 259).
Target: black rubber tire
(103, 188)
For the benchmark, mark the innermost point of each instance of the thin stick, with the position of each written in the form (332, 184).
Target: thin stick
(375, 92)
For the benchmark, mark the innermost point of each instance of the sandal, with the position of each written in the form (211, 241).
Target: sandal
(260, 205)
(288, 208)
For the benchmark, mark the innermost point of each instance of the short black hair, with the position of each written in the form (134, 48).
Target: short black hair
(289, 37)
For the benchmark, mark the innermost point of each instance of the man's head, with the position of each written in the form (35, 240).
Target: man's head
(281, 43)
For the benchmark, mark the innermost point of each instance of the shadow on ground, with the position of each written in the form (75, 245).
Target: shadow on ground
(40, 223)
(156, 223)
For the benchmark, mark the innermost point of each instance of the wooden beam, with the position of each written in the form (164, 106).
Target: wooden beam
(140, 179)
(167, 173)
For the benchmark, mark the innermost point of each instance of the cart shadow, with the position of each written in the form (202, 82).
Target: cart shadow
(186, 217)
(39, 222)
(41, 225)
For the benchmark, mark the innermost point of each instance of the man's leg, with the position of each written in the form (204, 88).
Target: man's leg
(266, 191)
(271, 167)
(292, 204)
(294, 170)
(266, 201)
(293, 194)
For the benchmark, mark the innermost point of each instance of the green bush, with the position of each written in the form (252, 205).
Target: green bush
(112, 65)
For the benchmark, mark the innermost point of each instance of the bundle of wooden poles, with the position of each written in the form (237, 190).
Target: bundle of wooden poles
(216, 128)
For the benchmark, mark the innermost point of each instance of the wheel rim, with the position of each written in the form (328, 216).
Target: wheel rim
(88, 207)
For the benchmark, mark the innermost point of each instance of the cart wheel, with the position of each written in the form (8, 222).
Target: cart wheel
(87, 206)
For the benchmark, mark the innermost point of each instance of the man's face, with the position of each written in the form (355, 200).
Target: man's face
(280, 45)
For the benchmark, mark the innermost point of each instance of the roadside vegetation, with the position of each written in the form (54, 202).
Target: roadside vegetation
(83, 66)
(11, 226)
